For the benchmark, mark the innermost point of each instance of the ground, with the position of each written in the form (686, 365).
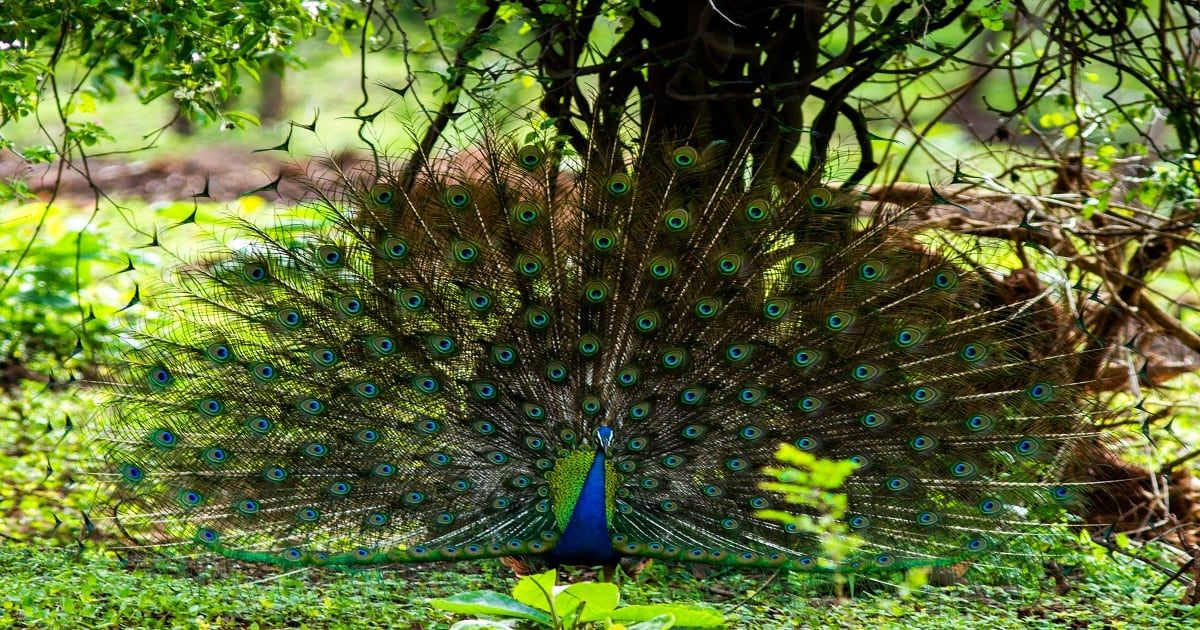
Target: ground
(42, 587)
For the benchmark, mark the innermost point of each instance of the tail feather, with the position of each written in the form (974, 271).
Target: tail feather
(392, 379)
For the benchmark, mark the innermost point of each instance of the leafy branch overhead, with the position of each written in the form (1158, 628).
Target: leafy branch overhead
(201, 54)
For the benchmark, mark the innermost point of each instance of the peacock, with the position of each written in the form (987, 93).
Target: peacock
(575, 357)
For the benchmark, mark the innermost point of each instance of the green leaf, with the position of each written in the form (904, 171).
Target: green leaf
(509, 12)
(559, 9)
(650, 18)
(39, 154)
(158, 91)
(490, 603)
(536, 590)
(690, 616)
(660, 622)
(240, 118)
(590, 597)
(480, 624)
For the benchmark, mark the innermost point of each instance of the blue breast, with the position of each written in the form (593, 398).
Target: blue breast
(586, 540)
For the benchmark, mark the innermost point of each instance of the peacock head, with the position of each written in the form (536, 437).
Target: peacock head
(604, 436)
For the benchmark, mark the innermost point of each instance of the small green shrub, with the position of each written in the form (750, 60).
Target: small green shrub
(538, 599)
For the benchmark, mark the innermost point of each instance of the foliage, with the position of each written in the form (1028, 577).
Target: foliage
(41, 496)
(39, 313)
(60, 60)
(57, 588)
(808, 483)
(197, 52)
(64, 273)
(538, 598)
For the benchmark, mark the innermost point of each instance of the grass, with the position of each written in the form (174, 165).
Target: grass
(53, 588)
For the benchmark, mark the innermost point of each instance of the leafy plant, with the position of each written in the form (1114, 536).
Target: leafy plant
(809, 483)
(539, 600)
(40, 315)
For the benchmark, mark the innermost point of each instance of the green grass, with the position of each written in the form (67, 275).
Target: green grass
(52, 588)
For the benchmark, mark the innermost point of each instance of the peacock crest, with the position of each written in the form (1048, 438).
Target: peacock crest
(586, 357)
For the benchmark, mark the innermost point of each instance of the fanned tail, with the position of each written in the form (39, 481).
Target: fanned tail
(394, 379)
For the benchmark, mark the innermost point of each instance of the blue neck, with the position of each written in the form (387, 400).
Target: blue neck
(586, 540)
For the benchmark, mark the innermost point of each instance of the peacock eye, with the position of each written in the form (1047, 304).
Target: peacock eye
(619, 184)
(465, 251)
(537, 317)
(805, 443)
(254, 272)
(628, 376)
(595, 291)
(757, 210)
(330, 255)
(803, 266)
(159, 377)
(382, 194)
(871, 270)
(132, 473)
(945, 279)
(661, 268)
(646, 321)
(677, 220)
(219, 352)
(264, 372)
(590, 405)
(412, 300)
(708, 307)
(457, 196)
(684, 157)
(873, 419)
(603, 239)
(529, 265)
(809, 404)
(1041, 392)
(909, 337)
(529, 156)
(395, 248)
(776, 308)
(838, 320)
(728, 264)
(289, 318)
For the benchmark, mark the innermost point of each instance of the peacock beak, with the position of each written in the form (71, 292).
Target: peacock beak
(604, 437)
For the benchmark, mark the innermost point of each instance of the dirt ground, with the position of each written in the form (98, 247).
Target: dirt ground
(229, 171)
